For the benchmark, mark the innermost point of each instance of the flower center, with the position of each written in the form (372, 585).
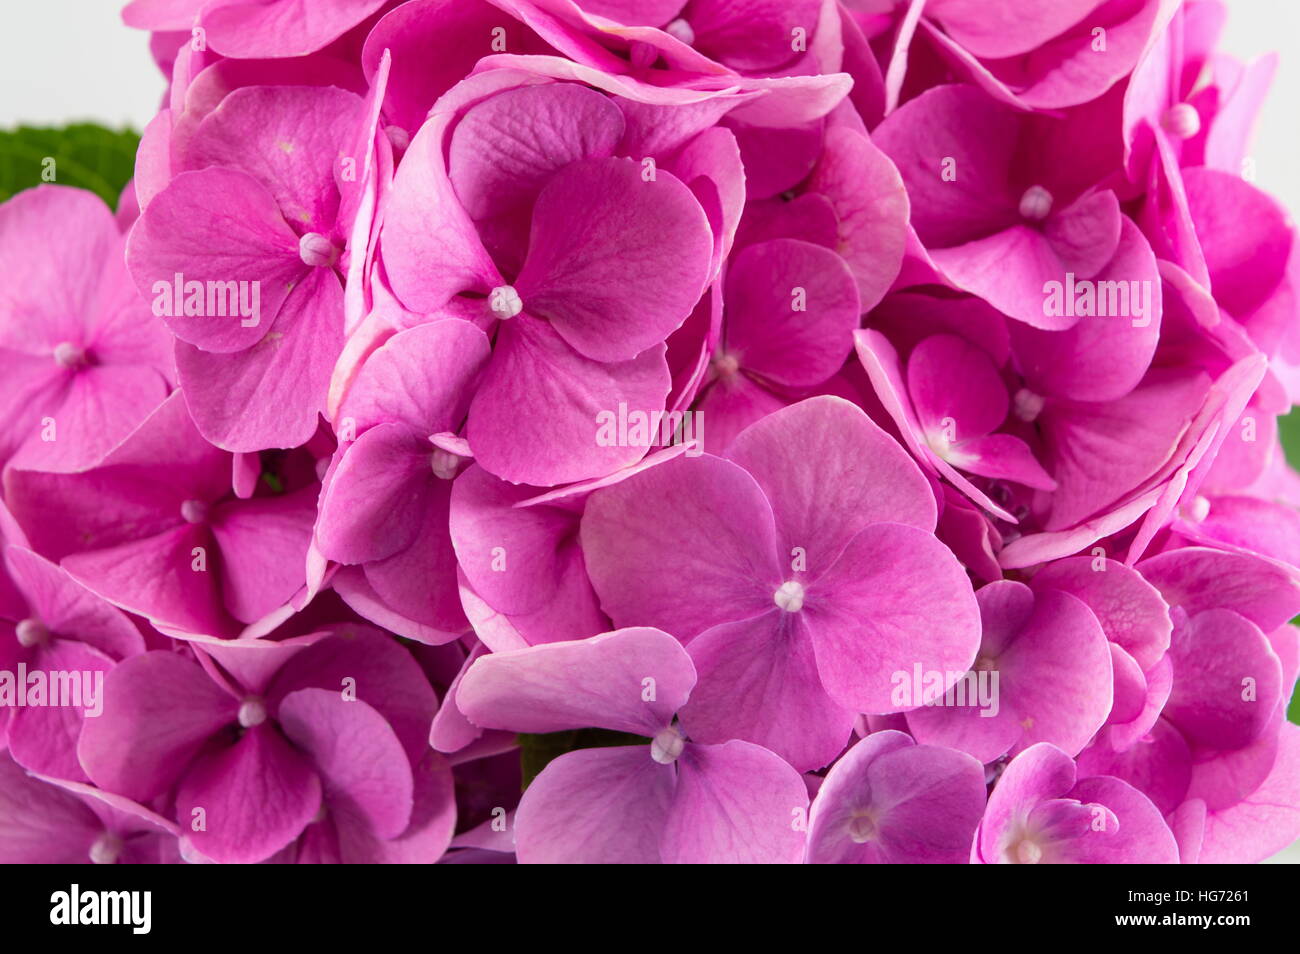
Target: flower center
(505, 302)
(444, 463)
(194, 511)
(317, 251)
(1181, 121)
(666, 746)
(1027, 405)
(862, 828)
(69, 355)
(1035, 204)
(1199, 509)
(252, 712)
(726, 365)
(789, 596)
(679, 29)
(1027, 852)
(32, 632)
(106, 849)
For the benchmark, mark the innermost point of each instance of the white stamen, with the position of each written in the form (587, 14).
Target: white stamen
(106, 849)
(1036, 203)
(1028, 852)
(725, 365)
(1181, 121)
(679, 29)
(1028, 405)
(1199, 509)
(444, 463)
(666, 746)
(862, 828)
(194, 511)
(789, 596)
(252, 712)
(68, 355)
(505, 302)
(31, 632)
(317, 251)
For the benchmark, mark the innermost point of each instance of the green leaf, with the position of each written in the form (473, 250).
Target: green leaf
(1288, 427)
(538, 751)
(83, 155)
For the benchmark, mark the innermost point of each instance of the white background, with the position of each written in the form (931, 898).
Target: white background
(68, 60)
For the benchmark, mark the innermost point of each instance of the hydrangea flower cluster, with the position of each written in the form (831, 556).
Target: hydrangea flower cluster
(793, 431)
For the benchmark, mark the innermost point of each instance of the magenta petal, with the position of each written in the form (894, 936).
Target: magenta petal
(792, 308)
(41, 824)
(260, 769)
(1199, 579)
(44, 739)
(730, 405)
(1141, 836)
(513, 555)
(829, 471)
(97, 407)
(67, 608)
(1010, 270)
(536, 416)
(420, 581)
(289, 138)
(159, 710)
(422, 377)
(871, 204)
(950, 379)
(595, 806)
(270, 394)
(1006, 28)
(1003, 457)
(705, 518)
(895, 597)
(263, 545)
(282, 28)
(431, 248)
(433, 818)
(1266, 820)
(631, 680)
(1227, 680)
(980, 136)
(361, 763)
(215, 225)
(1245, 236)
(759, 682)
(1102, 357)
(156, 578)
(891, 801)
(506, 147)
(1055, 682)
(1131, 611)
(735, 803)
(376, 498)
(381, 671)
(616, 263)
